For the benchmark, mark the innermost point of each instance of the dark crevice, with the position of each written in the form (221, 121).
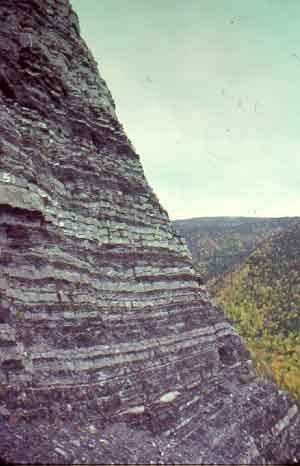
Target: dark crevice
(226, 355)
(34, 216)
(4, 314)
(6, 87)
(12, 364)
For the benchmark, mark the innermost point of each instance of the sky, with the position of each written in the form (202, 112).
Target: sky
(208, 91)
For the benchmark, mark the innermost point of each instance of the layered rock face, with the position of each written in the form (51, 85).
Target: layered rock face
(100, 309)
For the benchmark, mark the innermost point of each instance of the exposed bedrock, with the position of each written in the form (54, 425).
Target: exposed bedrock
(100, 309)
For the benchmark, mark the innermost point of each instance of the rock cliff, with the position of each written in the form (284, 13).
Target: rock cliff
(101, 316)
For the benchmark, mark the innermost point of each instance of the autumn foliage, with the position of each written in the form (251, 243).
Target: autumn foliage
(261, 295)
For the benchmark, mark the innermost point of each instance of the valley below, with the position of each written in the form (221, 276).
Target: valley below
(251, 267)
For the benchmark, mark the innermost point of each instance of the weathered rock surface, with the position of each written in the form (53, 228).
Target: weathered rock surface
(102, 321)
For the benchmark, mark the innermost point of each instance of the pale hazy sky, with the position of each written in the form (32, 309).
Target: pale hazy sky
(209, 93)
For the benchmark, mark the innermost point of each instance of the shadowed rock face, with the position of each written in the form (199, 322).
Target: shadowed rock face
(100, 310)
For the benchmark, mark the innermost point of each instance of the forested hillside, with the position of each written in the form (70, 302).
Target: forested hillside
(218, 243)
(262, 297)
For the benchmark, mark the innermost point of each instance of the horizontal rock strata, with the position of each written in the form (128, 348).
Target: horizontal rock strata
(101, 313)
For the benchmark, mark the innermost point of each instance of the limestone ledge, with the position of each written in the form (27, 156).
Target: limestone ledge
(7, 334)
(18, 193)
(108, 369)
(58, 262)
(123, 348)
(13, 353)
(133, 279)
(128, 312)
(32, 296)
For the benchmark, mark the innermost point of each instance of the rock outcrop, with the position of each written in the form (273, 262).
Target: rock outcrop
(101, 315)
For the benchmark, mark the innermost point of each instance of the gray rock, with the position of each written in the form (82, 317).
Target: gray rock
(4, 411)
(103, 310)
